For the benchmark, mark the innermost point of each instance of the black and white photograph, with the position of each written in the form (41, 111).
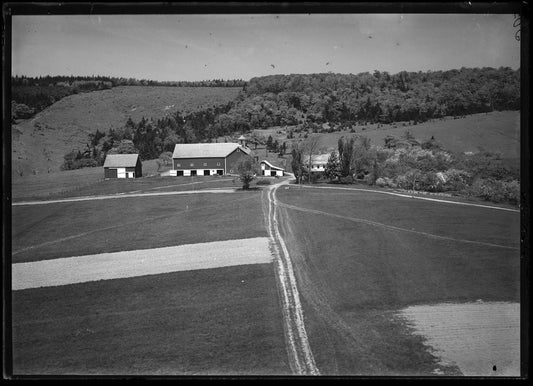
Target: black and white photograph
(265, 190)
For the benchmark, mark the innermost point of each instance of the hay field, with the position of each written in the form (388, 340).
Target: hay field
(106, 266)
(482, 339)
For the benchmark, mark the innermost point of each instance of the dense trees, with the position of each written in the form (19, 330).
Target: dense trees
(376, 98)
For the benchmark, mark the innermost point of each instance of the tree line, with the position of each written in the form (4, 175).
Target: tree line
(409, 163)
(285, 100)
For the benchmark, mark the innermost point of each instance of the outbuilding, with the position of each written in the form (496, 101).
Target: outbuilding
(270, 170)
(122, 166)
(206, 159)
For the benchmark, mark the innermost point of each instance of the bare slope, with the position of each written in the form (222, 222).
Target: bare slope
(40, 143)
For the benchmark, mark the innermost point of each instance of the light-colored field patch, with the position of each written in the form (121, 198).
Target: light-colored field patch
(482, 339)
(104, 266)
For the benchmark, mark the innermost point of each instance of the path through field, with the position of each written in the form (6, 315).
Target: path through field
(122, 195)
(300, 355)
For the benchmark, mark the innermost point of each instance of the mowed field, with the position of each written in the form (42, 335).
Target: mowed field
(40, 143)
(213, 321)
(361, 258)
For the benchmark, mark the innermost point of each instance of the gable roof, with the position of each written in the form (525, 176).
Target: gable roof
(316, 158)
(121, 160)
(206, 150)
(272, 166)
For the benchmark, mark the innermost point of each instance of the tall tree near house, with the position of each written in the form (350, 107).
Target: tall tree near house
(332, 170)
(296, 162)
(346, 152)
(310, 147)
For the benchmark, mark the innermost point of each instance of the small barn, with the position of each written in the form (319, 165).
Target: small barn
(122, 166)
(269, 170)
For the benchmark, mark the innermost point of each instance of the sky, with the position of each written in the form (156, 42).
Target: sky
(202, 47)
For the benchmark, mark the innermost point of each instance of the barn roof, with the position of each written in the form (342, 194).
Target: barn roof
(206, 150)
(272, 166)
(121, 160)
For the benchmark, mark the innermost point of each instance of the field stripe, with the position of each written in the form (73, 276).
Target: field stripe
(123, 195)
(412, 196)
(394, 228)
(105, 266)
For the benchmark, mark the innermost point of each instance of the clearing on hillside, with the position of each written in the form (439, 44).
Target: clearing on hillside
(41, 142)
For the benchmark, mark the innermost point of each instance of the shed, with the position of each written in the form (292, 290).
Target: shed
(270, 170)
(122, 166)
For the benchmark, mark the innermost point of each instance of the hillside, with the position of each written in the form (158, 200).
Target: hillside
(40, 143)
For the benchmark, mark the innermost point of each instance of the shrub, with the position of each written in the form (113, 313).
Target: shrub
(346, 180)
(263, 182)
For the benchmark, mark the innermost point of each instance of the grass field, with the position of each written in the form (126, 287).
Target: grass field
(354, 276)
(89, 227)
(206, 321)
(40, 143)
(215, 321)
(90, 181)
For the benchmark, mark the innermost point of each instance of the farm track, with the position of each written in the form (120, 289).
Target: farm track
(393, 228)
(412, 196)
(122, 195)
(299, 351)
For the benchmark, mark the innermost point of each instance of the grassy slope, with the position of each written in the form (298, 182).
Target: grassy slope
(353, 277)
(40, 143)
(217, 321)
(88, 227)
(496, 131)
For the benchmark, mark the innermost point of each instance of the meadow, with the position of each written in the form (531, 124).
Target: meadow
(360, 257)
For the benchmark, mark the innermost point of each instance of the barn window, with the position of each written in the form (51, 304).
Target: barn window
(205, 163)
(218, 163)
(178, 165)
(192, 164)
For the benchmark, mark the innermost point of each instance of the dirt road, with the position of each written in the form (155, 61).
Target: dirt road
(300, 356)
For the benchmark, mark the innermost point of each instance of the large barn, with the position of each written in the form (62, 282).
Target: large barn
(206, 159)
(122, 166)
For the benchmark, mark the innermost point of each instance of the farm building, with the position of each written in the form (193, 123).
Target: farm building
(206, 159)
(269, 170)
(122, 166)
(318, 161)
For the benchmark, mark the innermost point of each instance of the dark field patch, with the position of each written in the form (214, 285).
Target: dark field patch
(216, 321)
(89, 227)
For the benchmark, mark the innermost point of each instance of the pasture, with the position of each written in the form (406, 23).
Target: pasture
(90, 181)
(361, 257)
(222, 320)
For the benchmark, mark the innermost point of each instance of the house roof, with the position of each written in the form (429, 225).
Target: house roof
(272, 166)
(121, 160)
(241, 137)
(206, 150)
(316, 158)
